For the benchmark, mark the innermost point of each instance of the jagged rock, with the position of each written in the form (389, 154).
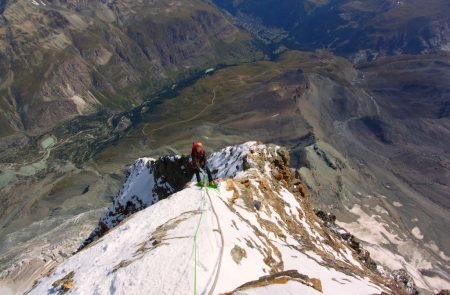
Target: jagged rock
(162, 177)
(65, 284)
(327, 218)
(237, 253)
(444, 292)
(257, 204)
(402, 277)
(281, 278)
(364, 256)
(329, 161)
(329, 221)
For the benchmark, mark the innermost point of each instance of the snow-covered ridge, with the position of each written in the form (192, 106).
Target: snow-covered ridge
(256, 234)
(148, 181)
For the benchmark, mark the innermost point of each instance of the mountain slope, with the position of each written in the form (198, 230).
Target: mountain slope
(256, 234)
(347, 27)
(62, 59)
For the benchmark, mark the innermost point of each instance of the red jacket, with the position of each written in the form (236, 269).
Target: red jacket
(197, 157)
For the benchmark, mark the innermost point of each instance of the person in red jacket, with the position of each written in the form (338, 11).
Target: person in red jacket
(199, 161)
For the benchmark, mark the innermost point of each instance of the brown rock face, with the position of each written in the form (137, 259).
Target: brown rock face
(281, 278)
(65, 284)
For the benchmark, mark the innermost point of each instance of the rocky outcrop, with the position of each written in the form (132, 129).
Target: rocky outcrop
(158, 180)
(363, 255)
(401, 280)
(64, 285)
(402, 277)
(280, 278)
(332, 163)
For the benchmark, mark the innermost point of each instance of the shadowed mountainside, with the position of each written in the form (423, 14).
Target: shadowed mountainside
(62, 59)
(370, 28)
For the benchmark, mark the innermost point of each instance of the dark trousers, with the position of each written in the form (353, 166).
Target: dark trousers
(197, 174)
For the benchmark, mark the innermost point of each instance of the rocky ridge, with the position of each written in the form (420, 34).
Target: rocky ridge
(263, 215)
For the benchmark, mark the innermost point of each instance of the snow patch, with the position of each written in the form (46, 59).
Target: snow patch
(446, 47)
(368, 228)
(228, 162)
(397, 204)
(378, 240)
(417, 233)
(381, 210)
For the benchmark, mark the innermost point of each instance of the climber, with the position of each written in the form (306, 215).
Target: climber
(199, 162)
